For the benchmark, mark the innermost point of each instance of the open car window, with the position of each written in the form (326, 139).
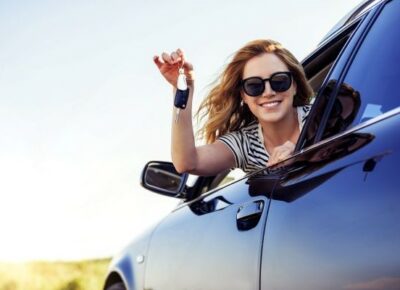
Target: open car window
(323, 69)
(318, 64)
(317, 68)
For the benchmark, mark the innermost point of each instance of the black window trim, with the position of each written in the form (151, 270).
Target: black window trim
(389, 114)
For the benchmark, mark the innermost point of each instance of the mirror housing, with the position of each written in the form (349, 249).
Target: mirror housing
(161, 177)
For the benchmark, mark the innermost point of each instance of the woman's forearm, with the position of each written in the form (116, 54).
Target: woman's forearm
(183, 149)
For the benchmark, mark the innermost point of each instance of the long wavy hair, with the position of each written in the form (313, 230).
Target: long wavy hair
(222, 108)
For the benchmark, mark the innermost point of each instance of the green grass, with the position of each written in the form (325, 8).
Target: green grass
(80, 275)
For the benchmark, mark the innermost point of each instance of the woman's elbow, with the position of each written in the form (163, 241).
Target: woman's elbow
(184, 167)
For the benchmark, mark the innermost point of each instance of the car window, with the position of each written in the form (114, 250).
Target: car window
(369, 87)
(319, 63)
(375, 71)
(317, 67)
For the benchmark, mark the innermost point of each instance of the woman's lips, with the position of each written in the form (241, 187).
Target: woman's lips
(271, 104)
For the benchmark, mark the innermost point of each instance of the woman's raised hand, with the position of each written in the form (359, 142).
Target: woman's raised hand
(169, 65)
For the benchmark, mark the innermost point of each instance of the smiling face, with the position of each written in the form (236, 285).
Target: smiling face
(270, 106)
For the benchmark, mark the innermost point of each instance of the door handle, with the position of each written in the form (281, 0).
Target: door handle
(249, 214)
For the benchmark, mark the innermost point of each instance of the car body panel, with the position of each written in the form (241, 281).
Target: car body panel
(129, 265)
(342, 233)
(200, 245)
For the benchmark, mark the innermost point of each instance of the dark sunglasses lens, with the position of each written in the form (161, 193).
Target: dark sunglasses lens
(280, 82)
(253, 87)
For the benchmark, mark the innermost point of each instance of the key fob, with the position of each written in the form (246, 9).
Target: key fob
(182, 91)
(181, 98)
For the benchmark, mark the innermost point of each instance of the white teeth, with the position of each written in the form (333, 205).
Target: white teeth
(270, 104)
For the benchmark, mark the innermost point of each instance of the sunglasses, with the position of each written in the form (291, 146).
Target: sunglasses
(279, 82)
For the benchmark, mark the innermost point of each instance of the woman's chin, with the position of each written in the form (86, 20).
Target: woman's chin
(270, 116)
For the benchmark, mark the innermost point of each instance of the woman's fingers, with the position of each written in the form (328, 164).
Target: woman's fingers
(175, 57)
(186, 65)
(280, 153)
(166, 58)
(168, 65)
(172, 58)
(180, 53)
(157, 61)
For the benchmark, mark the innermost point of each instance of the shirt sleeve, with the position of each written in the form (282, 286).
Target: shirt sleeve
(234, 141)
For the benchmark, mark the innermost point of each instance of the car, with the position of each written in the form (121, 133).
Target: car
(328, 217)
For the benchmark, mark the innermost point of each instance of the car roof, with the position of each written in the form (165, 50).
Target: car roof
(352, 16)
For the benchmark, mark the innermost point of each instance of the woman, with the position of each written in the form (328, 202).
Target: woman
(255, 111)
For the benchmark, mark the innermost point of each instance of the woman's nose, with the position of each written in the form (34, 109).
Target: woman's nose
(268, 91)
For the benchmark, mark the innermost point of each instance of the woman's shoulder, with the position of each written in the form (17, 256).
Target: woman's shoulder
(305, 109)
(303, 112)
(243, 132)
(248, 130)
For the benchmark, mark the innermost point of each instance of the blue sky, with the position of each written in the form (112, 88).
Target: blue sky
(83, 108)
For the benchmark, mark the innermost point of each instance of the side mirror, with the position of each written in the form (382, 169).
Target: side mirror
(161, 177)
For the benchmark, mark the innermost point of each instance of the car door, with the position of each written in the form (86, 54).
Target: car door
(334, 216)
(213, 242)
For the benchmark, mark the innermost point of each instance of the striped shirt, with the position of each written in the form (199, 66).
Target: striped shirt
(247, 144)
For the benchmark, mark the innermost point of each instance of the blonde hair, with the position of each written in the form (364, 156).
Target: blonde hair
(223, 106)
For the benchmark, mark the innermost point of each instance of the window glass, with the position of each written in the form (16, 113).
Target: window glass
(374, 74)
(317, 67)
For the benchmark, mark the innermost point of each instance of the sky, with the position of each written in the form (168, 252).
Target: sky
(83, 108)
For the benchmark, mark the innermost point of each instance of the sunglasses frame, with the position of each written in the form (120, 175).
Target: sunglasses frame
(288, 73)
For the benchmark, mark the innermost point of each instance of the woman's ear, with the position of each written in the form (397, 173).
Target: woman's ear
(295, 87)
(296, 101)
(242, 96)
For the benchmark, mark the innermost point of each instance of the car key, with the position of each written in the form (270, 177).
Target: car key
(182, 93)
